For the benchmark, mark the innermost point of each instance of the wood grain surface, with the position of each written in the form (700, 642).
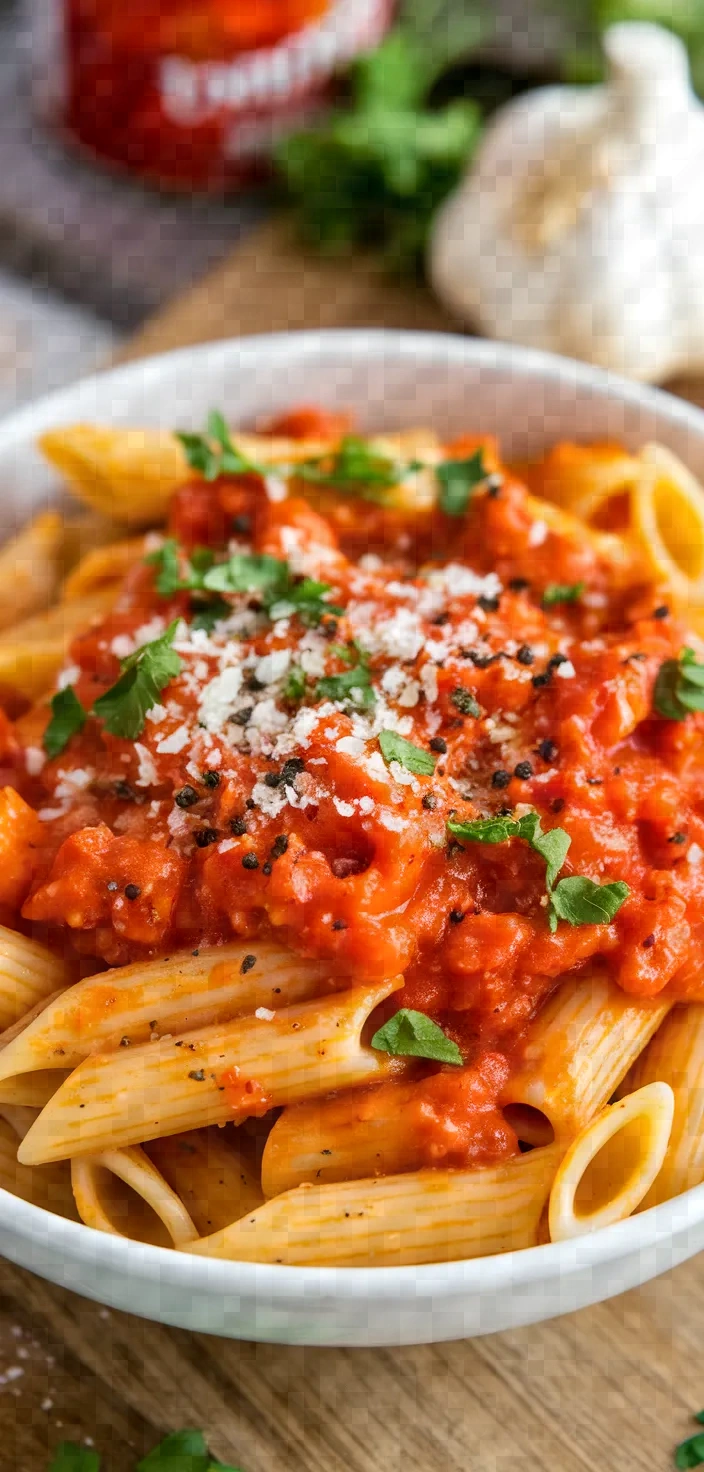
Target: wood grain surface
(610, 1389)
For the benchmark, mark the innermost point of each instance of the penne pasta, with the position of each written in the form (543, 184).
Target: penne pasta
(592, 482)
(31, 1090)
(46, 1186)
(676, 1057)
(578, 1049)
(30, 568)
(612, 1164)
(208, 1077)
(32, 654)
(211, 1173)
(668, 520)
(147, 1204)
(102, 568)
(179, 993)
(29, 975)
(427, 1216)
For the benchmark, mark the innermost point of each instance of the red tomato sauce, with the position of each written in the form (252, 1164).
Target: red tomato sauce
(251, 805)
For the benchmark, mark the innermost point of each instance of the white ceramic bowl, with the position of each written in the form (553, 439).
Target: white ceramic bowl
(391, 379)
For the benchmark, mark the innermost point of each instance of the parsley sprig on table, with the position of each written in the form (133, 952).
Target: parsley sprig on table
(576, 899)
(182, 1451)
(123, 708)
(690, 1453)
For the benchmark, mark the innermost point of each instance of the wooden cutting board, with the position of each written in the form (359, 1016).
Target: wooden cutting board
(610, 1389)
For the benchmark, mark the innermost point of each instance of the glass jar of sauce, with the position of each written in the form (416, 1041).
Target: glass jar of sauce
(193, 94)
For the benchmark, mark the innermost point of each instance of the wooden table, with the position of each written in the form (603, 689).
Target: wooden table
(610, 1389)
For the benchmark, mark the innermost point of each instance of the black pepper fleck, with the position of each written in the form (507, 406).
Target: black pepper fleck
(291, 770)
(205, 836)
(501, 778)
(211, 779)
(250, 803)
(557, 805)
(456, 917)
(273, 779)
(519, 585)
(540, 681)
(441, 619)
(242, 525)
(279, 846)
(238, 827)
(489, 605)
(125, 1042)
(547, 750)
(267, 868)
(198, 1074)
(556, 660)
(339, 925)
(242, 717)
(677, 838)
(438, 743)
(523, 770)
(132, 891)
(648, 942)
(250, 861)
(662, 611)
(247, 964)
(525, 655)
(187, 797)
(430, 801)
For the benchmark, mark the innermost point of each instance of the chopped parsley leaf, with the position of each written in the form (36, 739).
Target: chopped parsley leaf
(395, 748)
(69, 1457)
(679, 686)
(207, 615)
(580, 901)
(295, 686)
(465, 702)
(213, 454)
(355, 467)
(123, 708)
(413, 1035)
(562, 593)
(353, 685)
(247, 572)
(307, 600)
(67, 719)
(458, 478)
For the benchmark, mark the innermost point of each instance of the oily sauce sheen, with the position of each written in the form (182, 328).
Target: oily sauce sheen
(246, 807)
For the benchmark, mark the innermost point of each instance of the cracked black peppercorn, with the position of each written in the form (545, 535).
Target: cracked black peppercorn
(267, 868)
(437, 743)
(525, 655)
(291, 770)
(500, 778)
(519, 585)
(279, 846)
(198, 1074)
(339, 925)
(273, 779)
(456, 917)
(523, 770)
(247, 964)
(242, 525)
(430, 801)
(242, 717)
(648, 942)
(132, 891)
(205, 836)
(211, 779)
(250, 861)
(661, 612)
(677, 838)
(238, 827)
(489, 605)
(540, 681)
(547, 750)
(187, 797)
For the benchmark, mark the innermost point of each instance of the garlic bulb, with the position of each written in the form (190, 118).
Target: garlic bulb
(580, 226)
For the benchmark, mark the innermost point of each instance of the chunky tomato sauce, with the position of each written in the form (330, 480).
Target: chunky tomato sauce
(254, 803)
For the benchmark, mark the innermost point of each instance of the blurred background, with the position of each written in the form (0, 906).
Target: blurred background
(142, 139)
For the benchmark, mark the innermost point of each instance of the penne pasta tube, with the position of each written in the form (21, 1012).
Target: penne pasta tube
(30, 568)
(211, 1174)
(137, 1212)
(102, 567)
(668, 520)
(33, 652)
(578, 1049)
(29, 973)
(176, 994)
(221, 1073)
(48, 1186)
(31, 1090)
(676, 1057)
(592, 482)
(612, 1164)
(427, 1216)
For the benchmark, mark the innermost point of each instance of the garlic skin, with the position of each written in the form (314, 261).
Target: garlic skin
(580, 227)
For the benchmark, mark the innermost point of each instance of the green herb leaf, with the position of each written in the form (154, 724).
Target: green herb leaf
(413, 1035)
(295, 686)
(356, 468)
(552, 846)
(70, 1457)
(123, 708)
(690, 1453)
(182, 1451)
(466, 702)
(486, 830)
(354, 685)
(395, 748)
(458, 478)
(67, 719)
(247, 572)
(207, 615)
(305, 599)
(213, 454)
(562, 593)
(581, 901)
(679, 686)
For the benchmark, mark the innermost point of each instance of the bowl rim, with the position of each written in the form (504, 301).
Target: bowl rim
(282, 1283)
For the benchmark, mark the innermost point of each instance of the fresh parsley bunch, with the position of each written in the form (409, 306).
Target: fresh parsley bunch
(182, 1451)
(375, 173)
